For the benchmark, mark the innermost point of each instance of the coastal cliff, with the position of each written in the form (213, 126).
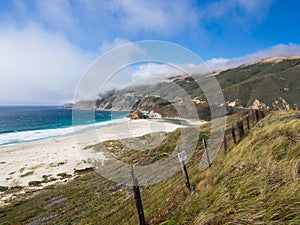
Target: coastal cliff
(270, 83)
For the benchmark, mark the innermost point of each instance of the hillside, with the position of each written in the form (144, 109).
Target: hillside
(273, 83)
(255, 182)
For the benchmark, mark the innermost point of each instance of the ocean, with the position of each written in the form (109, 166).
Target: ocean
(30, 123)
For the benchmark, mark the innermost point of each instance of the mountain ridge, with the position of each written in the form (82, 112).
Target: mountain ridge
(271, 83)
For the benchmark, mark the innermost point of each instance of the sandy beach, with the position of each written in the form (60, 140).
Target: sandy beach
(35, 161)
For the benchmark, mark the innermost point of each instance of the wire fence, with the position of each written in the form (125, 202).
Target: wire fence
(238, 128)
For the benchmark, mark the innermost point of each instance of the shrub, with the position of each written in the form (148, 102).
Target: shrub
(63, 175)
(34, 183)
(27, 174)
(159, 156)
(3, 188)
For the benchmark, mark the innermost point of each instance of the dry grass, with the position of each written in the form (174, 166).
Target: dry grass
(256, 182)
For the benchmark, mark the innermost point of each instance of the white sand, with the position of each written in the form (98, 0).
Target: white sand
(63, 154)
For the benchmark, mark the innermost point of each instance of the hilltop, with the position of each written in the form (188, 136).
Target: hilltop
(269, 83)
(255, 182)
(272, 82)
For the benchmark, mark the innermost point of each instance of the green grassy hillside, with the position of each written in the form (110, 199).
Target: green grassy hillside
(276, 84)
(255, 182)
(267, 82)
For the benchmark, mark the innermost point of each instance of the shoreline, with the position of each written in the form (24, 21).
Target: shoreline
(99, 125)
(54, 160)
(34, 157)
(43, 134)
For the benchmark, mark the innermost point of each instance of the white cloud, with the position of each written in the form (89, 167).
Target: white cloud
(95, 21)
(128, 17)
(56, 14)
(155, 70)
(39, 63)
(110, 70)
(157, 16)
(149, 70)
(238, 11)
(277, 50)
(37, 67)
(144, 15)
(106, 46)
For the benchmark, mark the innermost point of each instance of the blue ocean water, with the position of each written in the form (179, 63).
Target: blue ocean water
(29, 123)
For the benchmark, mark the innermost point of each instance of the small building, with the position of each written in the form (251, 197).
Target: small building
(153, 114)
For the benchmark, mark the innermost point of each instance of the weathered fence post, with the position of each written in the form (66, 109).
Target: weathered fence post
(260, 114)
(182, 157)
(240, 127)
(137, 196)
(233, 133)
(253, 117)
(248, 123)
(256, 115)
(224, 140)
(206, 152)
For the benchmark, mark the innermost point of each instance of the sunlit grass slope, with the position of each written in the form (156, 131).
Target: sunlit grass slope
(255, 182)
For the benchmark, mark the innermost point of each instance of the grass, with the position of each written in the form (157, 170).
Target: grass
(46, 177)
(83, 171)
(3, 188)
(35, 183)
(168, 222)
(88, 147)
(159, 156)
(255, 182)
(27, 174)
(64, 175)
(137, 150)
(57, 164)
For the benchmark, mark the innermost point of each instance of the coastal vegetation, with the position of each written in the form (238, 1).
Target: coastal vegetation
(256, 181)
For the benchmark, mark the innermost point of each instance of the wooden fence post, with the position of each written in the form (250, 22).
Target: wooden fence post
(260, 114)
(206, 152)
(224, 140)
(137, 196)
(233, 133)
(256, 115)
(182, 157)
(240, 127)
(253, 117)
(248, 123)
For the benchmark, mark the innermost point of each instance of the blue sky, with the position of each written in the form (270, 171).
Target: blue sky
(45, 46)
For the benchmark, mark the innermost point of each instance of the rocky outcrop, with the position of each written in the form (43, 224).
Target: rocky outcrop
(137, 115)
(258, 105)
(280, 103)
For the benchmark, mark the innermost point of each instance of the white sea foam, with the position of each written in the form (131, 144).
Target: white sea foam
(34, 135)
